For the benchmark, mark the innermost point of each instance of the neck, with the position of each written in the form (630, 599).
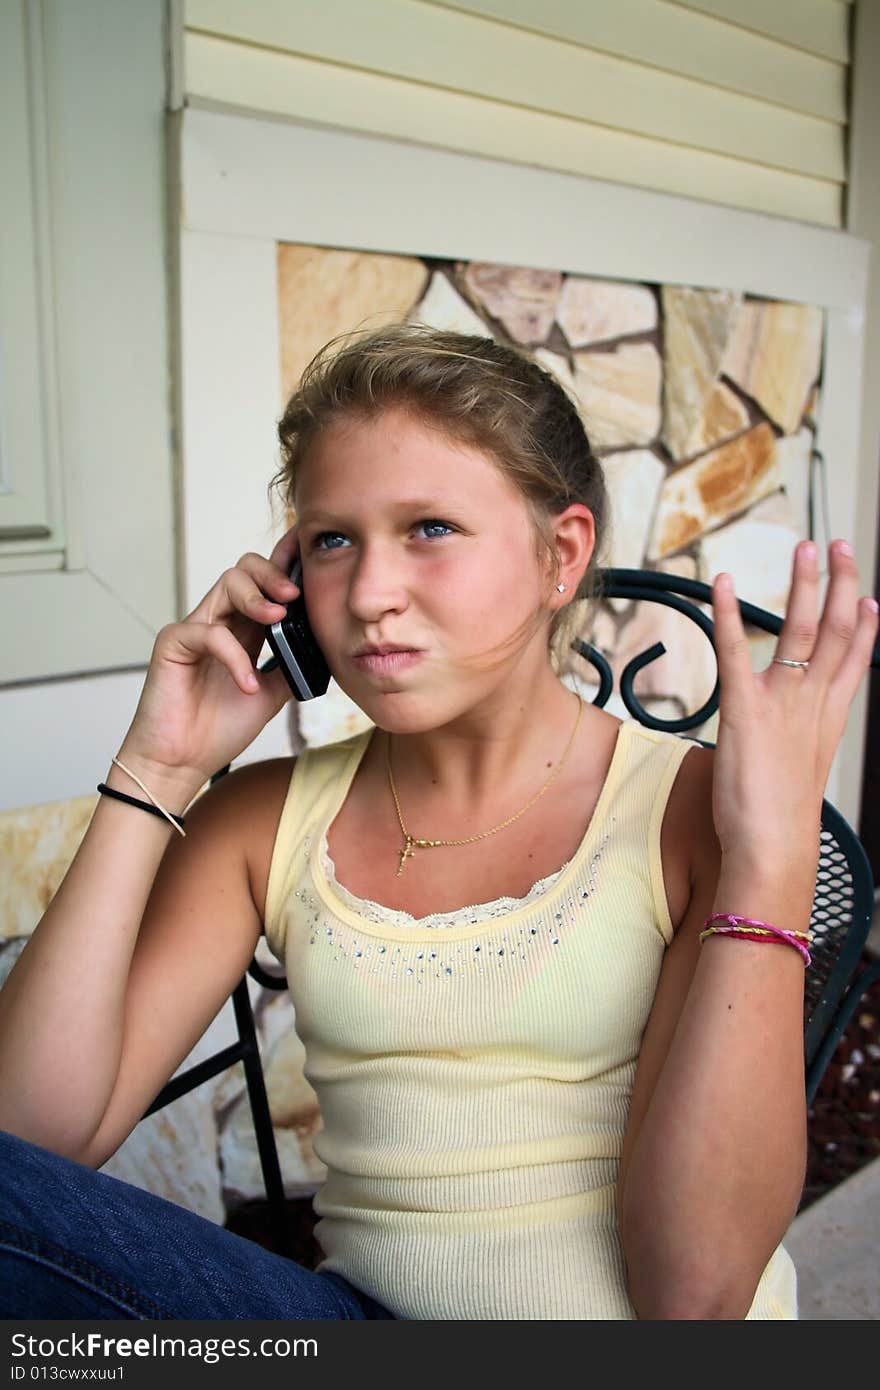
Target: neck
(457, 779)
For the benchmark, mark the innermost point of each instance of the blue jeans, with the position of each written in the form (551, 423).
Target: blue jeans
(79, 1244)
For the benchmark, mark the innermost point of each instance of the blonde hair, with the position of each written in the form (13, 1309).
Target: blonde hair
(478, 392)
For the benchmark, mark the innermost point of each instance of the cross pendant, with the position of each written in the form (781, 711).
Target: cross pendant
(406, 853)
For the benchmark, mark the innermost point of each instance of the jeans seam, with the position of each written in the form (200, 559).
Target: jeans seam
(79, 1271)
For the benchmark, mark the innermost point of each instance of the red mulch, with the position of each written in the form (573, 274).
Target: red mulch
(843, 1133)
(843, 1123)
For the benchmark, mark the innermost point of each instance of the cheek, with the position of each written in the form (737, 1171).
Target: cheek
(322, 607)
(495, 593)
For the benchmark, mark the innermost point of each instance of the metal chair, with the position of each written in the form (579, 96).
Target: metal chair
(840, 917)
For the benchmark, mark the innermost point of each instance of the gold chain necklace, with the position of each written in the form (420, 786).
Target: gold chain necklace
(411, 843)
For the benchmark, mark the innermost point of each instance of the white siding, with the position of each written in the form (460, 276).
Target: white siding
(711, 101)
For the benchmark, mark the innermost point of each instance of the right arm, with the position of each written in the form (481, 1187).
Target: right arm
(149, 932)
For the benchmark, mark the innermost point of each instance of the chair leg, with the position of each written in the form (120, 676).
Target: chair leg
(262, 1118)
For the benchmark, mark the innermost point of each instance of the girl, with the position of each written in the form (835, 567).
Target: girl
(542, 1096)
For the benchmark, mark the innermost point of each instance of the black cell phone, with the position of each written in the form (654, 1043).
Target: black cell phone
(295, 649)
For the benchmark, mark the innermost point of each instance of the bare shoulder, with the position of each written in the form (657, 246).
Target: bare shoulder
(688, 843)
(249, 801)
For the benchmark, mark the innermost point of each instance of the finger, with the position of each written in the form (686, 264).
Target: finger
(276, 689)
(840, 614)
(731, 645)
(254, 587)
(189, 642)
(857, 659)
(270, 577)
(286, 550)
(798, 636)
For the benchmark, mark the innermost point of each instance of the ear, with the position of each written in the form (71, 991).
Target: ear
(574, 539)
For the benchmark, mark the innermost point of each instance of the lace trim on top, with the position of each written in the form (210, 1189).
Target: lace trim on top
(475, 912)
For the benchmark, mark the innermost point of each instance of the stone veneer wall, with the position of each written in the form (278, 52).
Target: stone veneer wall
(702, 406)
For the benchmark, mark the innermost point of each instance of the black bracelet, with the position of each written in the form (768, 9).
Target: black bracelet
(134, 801)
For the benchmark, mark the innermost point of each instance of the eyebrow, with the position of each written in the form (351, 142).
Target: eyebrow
(429, 506)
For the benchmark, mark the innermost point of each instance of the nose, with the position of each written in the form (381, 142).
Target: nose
(377, 585)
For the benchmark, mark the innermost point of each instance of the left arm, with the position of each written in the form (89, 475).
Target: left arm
(713, 1161)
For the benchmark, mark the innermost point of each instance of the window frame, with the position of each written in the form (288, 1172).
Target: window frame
(97, 322)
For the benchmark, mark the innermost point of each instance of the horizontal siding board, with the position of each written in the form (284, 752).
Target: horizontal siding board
(443, 48)
(817, 26)
(685, 42)
(260, 80)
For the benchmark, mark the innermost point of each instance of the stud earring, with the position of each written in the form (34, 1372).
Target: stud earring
(560, 588)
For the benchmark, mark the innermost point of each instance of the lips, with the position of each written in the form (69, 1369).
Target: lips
(380, 649)
(386, 660)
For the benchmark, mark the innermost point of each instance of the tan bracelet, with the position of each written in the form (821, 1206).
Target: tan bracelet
(176, 821)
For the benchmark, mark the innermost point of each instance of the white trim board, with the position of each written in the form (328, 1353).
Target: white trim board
(244, 176)
(249, 183)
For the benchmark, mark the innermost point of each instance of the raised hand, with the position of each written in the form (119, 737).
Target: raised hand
(779, 728)
(203, 702)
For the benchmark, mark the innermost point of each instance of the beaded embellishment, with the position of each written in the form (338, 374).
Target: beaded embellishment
(424, 962)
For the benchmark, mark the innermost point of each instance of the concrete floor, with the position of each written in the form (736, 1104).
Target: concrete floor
(835, 1245)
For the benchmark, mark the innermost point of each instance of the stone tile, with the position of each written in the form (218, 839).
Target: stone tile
(330, 719)
(174, 1154)
(601, 632)
(242, 1174)
(324, 292)
(759, 556)
(620, 394)
(633, 479)
(37, 844)
(684, 566)
(696, 327)
(443, 307)
(713, 488)
(724, 415)
(661, 708)
(774, 355)
(296, 1119)
(586, 687)
(595, 311)
(558, 366)
(776, 510)
(10, 950)
(522, 299)
(794, 453)
(685, 673)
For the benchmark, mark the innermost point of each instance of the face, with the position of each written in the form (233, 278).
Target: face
(420, 551)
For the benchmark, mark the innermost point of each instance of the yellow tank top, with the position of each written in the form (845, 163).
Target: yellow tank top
(474, 1076)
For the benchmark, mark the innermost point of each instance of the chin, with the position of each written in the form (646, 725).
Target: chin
(398, 711)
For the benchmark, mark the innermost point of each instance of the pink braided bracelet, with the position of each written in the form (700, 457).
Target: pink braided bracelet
(728, 924)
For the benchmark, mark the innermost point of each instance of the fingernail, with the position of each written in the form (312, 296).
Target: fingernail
(724, 583)
(844, 548)
(251, 682)
(872, 604)
(808, 550)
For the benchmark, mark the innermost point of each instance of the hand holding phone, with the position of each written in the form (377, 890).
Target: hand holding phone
(294, 647)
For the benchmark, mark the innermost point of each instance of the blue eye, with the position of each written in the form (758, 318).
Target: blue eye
(327, 535)
(434, 522)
